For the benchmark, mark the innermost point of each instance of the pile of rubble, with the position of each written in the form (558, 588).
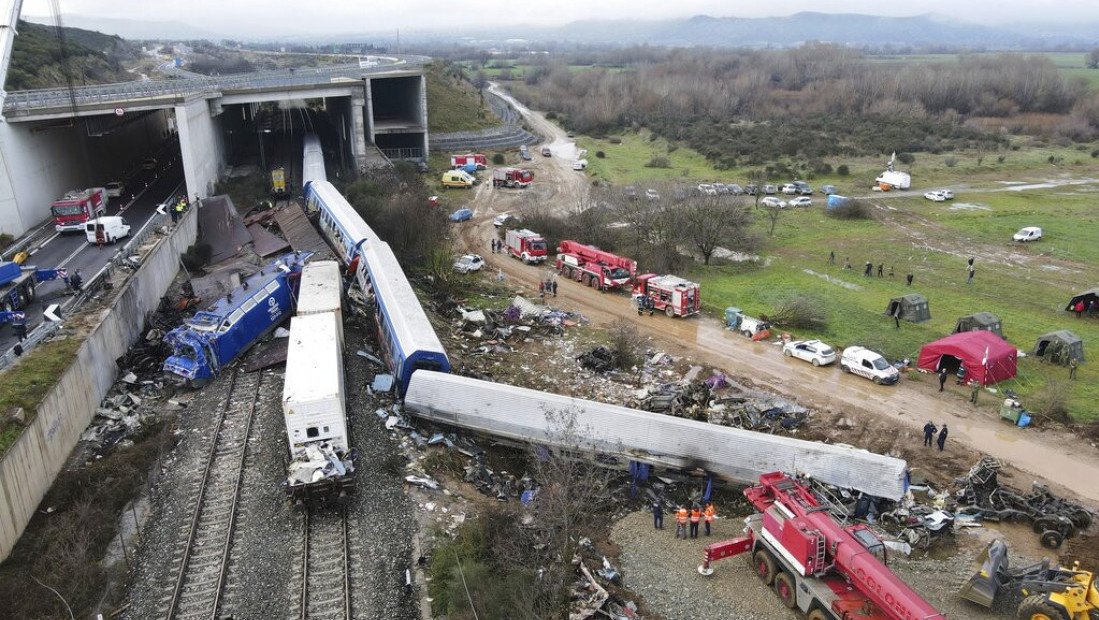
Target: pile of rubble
(1054, 518)
(319, 461)
(517, 322)
(590, 597)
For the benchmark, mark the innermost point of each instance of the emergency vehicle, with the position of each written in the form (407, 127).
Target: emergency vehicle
(526, 245)
(75, 208)
(669, 294)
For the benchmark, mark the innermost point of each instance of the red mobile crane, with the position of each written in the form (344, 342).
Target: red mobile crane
(594, 267)
(829, 571)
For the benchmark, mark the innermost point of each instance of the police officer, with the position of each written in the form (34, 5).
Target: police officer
(76, 281)
(929, 431)
(19, 325)
(658, 515)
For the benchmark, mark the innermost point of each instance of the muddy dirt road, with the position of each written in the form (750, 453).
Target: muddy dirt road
(897, 413)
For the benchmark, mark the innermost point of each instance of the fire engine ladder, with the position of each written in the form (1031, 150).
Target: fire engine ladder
(818, 566)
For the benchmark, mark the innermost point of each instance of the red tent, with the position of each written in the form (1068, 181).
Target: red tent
(987, 357)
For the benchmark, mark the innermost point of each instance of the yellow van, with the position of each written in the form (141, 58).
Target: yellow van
(457, 178)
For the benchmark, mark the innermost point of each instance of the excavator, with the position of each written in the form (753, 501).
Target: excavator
(1051, 593)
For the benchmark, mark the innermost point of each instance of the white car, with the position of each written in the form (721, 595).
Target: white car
(706, 189)
(866, 363)
(947, 194)
(789, 189)
(468, 263)
(800, 201)
(813, 351)
(651, 194)
(1029, 233)
(115, 189)
(935, 196)
(771, 201)
(500, 220)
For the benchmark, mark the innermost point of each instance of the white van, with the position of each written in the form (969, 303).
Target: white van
(111, 227)
(580, 164)
(866, 363)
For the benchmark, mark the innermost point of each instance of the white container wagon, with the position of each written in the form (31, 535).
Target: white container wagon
(321, 291)
(313, 405)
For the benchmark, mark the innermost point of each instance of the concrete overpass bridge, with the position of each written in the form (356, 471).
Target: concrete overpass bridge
(55, 140)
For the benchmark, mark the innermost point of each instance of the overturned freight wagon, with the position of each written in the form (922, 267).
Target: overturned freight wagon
(665, 441)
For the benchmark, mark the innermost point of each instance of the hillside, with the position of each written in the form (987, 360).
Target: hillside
(453, 104)
(92, 58)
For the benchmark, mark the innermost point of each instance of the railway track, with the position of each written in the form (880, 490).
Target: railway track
(202, 570)
(325, 567)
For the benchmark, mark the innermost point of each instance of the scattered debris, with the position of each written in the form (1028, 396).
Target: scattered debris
(319, 461)
(599, 359)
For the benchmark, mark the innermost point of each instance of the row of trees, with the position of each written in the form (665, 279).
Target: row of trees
(838, 100)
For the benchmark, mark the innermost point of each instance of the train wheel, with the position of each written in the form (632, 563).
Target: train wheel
(818, 614)
(764, 565)
(784, 588)
(1036, 607)
(1051, 539)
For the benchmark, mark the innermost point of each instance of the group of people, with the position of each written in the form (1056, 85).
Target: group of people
(685, 521)
(929, 431)
(1092, 308)
(546, 287)
(496, 245)
(644, 302)
(868, 270)
(974, 385)
(177, 207)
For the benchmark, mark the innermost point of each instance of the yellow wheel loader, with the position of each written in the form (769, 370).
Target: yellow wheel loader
(1051, 593)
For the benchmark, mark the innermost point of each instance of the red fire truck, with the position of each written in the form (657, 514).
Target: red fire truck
(511, 177)
(671, 295)
(526, 245)
(77, 207)
(594, 267)
(461, 161)
(828, 571)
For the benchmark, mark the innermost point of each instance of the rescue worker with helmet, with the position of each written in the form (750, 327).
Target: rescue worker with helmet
(696, 516)
(708, 516)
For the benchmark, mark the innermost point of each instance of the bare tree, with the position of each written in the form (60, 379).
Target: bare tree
(1092, 59)
(711, 222)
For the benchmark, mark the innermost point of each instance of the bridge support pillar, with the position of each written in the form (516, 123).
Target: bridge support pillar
(358, 131)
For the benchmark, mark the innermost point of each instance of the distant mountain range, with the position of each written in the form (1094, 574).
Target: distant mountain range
(923, 31)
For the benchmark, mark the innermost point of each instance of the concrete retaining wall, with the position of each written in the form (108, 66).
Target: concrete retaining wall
(28, 469)
(200, 145)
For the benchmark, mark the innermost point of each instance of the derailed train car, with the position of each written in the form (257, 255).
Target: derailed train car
(313, 396)
(216, 336)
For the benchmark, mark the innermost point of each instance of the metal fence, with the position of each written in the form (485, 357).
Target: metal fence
(29, 100)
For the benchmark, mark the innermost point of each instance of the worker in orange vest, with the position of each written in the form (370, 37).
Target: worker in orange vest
(708, 516)
(681, 522)
(696, 516)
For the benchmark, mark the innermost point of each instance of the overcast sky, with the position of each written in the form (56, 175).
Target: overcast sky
(275, 17)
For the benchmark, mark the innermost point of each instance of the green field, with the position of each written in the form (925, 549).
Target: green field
(1027, 286)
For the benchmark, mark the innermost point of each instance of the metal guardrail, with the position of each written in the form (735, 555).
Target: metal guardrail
(27, 100)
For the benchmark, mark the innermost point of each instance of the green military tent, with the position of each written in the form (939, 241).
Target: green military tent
(912, 307)
(1059, 347)
(980, 321)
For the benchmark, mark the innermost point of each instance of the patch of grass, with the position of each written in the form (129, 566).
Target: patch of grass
(25, 384)
(453, 103)
(627, 159)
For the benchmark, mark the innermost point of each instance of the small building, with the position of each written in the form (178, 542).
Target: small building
(912, 307)
(1059, 347)
(980, 321)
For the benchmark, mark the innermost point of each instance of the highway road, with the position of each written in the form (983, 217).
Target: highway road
(144, 191)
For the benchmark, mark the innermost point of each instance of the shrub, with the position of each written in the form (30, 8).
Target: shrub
(600, 154)
(951, 161)
(843, 170)
(614, 140)
(800, 312)
(659, 161)
(6, 239)
(551, 115)
(1094, 154)
(1000, 158)
(906, 158)
(625, 344)
(498, 159)
(852, 210)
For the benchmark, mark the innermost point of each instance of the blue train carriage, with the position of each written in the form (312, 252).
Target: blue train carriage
(214, 337)
(408, 340)
(340, 224)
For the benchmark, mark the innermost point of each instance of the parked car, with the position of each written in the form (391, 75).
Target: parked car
(813, 351)
(524, 153)
(788, 188)
(828, 190)
(501, 219)
(935, 196)
(769, 189)
(721, 189)
(468, 263)
(546, 152)
(801, 201)
(866, 363)
(750, 189)
(149, 164)
(1028, 233)
(580, 164)
(115, 189)
(803, 188)
(735, 190)
(461, 215)
(651, 194)
(771, 201)
(706, 189)
(947, 193)
(631, 192)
